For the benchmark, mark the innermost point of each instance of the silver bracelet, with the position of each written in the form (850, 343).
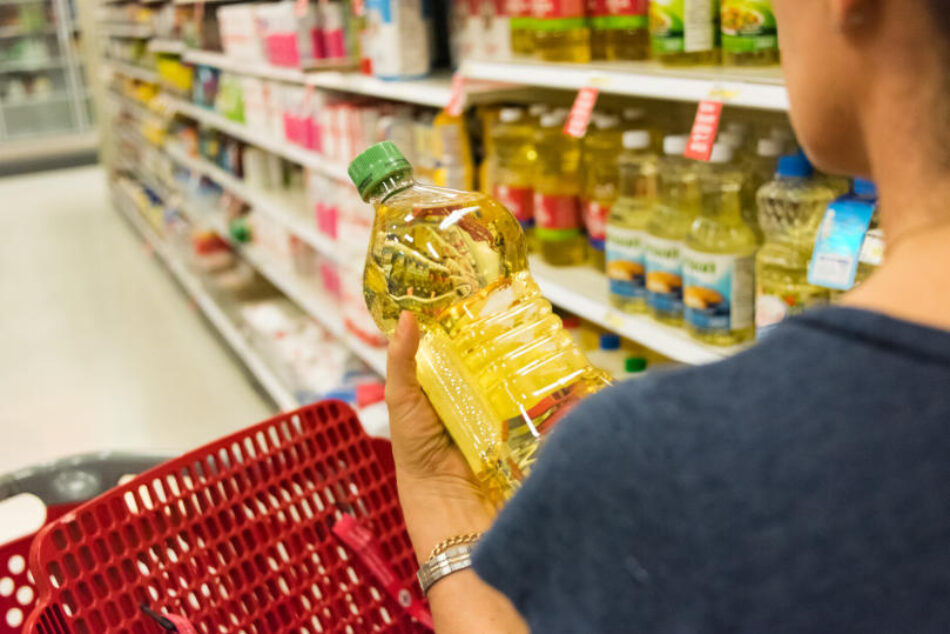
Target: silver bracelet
(442, 565)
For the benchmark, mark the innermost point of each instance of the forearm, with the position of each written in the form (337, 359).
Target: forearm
(461, 602)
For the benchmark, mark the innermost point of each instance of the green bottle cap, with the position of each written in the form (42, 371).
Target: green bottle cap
(376, 164)
(635, 365)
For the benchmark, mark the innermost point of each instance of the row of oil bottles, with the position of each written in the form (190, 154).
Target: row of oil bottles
(721, 248)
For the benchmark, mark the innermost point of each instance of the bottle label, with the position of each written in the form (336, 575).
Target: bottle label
(519, 9)
(558, 216)
(595, 219)
(664, 275)
(838, 247)
(518, 200)
(626, 262)
(679, 26)
(771, 310)
(618, 14)
(558, 9)
(748, 26)
(718, 291)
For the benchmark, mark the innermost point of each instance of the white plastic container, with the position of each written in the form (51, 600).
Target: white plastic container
(398, 38)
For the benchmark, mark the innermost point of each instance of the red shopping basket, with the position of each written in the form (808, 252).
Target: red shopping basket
(244, 536)
(61, 486)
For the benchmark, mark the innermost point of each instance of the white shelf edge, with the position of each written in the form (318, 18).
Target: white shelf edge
(224, 62)
(130, 70)
(289, 151)
(134, 31)
(751, 88)
(229, 331)
(162, 45)
(261, 201)
(430, 91)
(583, 291)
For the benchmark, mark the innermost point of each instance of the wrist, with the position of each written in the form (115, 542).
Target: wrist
(436, 509)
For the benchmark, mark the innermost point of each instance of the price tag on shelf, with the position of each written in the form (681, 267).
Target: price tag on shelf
(705, 128)
(456, 103)
(581, 111)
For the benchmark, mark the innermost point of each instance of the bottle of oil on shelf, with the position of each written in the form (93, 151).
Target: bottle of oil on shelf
(494, 359)
(749, 33)
(557, 203)
(600, 179)
(561, 31)
(685, 32)
(513, 165)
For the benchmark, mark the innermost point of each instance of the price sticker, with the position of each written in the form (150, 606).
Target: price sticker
(456, 103)
(705, 128)
(581, 111)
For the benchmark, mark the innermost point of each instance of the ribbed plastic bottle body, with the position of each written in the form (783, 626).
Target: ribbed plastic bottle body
(557, 201)
(494, 360)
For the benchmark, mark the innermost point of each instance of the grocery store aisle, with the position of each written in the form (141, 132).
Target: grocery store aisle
(98, 347)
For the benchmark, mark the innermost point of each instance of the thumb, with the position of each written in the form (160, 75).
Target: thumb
(401, 381)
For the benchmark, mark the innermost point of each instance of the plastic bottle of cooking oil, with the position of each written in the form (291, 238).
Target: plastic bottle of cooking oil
(759, 169)
(719, 258)
(749, 33)
(685, 32)
(673, 216)
(557, 203)
(522, 27)
(488, 117)
(561, 31)
(790, 211)
(453, 152)
(600, 178)
(628, 220)
(627, 29)
(494, 360)
(872, 248)
(513, 165)
(596, 10)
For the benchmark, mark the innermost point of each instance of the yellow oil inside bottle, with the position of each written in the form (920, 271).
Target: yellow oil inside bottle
(679, 205)
(719, 258)
(600, 179)
(562, 32)
(628, 220)
(522, 27)
(685, 32)
(791, 208)
(557, 203)
(513, 159)
(494, 359)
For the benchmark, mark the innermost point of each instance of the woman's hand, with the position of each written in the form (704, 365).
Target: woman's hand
(439, 494)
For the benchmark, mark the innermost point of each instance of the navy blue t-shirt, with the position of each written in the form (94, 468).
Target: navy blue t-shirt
(799, 487)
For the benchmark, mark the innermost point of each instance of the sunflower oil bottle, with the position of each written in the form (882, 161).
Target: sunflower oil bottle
(488, 117)
(512, 142)
(719, 258)
(791, 208)
(600, 179)
(749, 33)
(598, 32)
(453, 152)
(685, 32)
(522, 27)
(670, 223)
(627, 223)
(558, 230)
(561, 31)
(494, 359)
(759, 169)
(619, 29)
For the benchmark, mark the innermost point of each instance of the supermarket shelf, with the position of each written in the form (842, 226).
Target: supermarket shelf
(269, 142)
(29, 66)
(193, 287)
(133, 71)
(583, 291)
(303, 292)
(265, 71)
(35, 148)
(281, 209)
(173, 47)
(430, 91)
(16, 31)
(131, 30)
(751, 88)
(57, 97)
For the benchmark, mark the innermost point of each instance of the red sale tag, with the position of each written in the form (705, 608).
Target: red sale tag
(705, 127)
(457, 96)
(367, 547)
(583, 108)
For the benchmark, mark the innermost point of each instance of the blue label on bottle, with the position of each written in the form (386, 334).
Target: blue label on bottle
(719, 294)
(834, 262)
(626, 262)
(664, 276)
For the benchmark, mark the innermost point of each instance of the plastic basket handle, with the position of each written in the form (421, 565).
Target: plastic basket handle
(78, 478)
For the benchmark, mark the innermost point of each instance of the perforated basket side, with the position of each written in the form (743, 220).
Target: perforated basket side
(235, 536)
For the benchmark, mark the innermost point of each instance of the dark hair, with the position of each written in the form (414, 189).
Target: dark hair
(940, 12)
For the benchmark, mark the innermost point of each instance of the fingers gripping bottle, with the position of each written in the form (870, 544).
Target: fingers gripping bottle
(494, 360)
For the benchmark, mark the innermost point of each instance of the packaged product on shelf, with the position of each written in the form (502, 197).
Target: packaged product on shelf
(679, 205)
(241, 37)
(685, 32)
(229, 100)
(398, 39)
(561, 31)
(331, 40)
(836, 260)
(321, 194)
(628, 220)
(749, 33)
(355, 225)
(205, 88)
(522, 27)
(289, 31)
(759, 169)
(601, 146)
(512, 141)
(719, 258)
(299, 107)
(619, 29)
(474, 332)
(496, 24)
(790, 212)
(453, 152)
(557, 201)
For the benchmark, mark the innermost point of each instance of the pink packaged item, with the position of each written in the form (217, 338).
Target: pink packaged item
(331, 38)
(288, 32)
